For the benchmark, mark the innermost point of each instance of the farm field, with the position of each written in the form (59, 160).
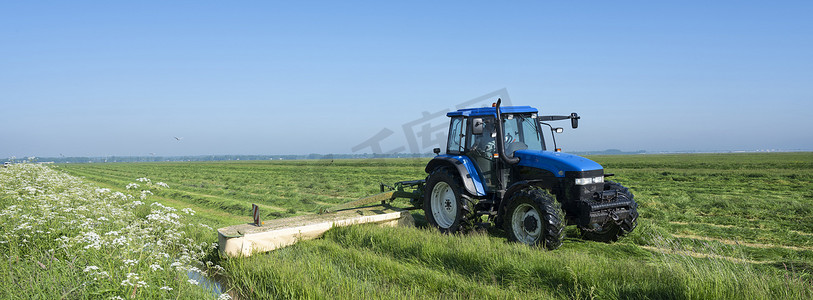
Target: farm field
(711, 226)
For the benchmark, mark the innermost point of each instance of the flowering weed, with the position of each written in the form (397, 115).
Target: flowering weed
(63, 238)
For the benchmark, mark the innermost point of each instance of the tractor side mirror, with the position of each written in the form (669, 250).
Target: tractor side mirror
(477, 126)
(574, 120)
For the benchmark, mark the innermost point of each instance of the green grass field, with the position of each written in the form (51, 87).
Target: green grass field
(711, 226)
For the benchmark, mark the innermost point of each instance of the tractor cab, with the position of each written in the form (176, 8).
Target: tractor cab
(473, 133)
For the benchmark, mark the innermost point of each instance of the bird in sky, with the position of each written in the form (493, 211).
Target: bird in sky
(178, 138)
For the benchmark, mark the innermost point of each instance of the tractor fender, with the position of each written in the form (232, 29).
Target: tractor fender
(515, 187)
(472, 181)
(540, 178)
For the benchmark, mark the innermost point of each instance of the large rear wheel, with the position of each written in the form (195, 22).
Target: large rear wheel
(444, 205)
(533, 217)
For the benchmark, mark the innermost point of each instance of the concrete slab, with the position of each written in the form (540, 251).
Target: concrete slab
(247, 239)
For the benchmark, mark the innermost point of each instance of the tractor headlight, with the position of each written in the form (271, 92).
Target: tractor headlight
(589, 180)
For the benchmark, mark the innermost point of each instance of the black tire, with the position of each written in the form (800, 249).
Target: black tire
(534, 217)
(444, 206)
(611, 231)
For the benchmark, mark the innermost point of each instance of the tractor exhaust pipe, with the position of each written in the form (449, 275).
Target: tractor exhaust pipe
(501, 139)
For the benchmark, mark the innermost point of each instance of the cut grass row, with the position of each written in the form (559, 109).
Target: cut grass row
(285, 188)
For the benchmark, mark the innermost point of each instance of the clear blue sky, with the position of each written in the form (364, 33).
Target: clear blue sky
(82, 78)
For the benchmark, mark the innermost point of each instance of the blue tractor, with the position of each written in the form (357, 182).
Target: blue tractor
(498, 165)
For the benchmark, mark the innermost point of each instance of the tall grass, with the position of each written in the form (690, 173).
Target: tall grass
(63, 238)
(374, 262)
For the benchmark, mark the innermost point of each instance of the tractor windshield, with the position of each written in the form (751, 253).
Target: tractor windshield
(523, 129)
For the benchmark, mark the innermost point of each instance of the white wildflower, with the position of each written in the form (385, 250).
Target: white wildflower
(31, 190)
(130, 262)
(166, 208)
(137, 202)
(133, 277)
(23, 226)
(93, 240)
(188, 211)
(192, 281)
(102, 219)
(143, 179)
(224, 296)
(156, 267)
(91, 268)
(132, 186)
(166, 288)
(119, 241)
(102, 274)
(161, 184)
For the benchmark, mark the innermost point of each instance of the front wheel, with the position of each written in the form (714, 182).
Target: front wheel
(533, 217)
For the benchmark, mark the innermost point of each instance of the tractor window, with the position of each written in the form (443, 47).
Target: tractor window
(531, 134)
(457, 135)
(512, 133)
(483, 145)
(523, 129)
(482, 148)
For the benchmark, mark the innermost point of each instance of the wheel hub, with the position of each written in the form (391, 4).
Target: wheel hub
(525, 222)
(530, 223)
(443, 205)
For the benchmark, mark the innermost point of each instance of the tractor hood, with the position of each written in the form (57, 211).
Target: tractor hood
(557, 163)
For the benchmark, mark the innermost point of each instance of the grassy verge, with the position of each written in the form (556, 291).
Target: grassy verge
(63, 238)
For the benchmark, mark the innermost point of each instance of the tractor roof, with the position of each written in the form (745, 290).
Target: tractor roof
(491, 111)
